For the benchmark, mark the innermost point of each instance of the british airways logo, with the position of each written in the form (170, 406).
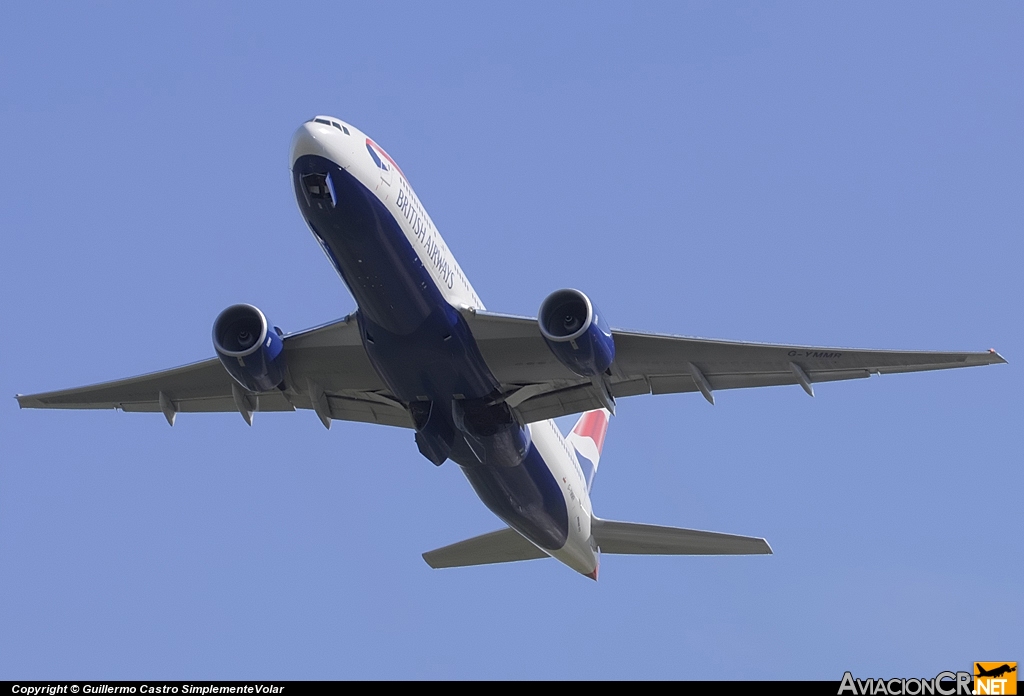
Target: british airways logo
(376, 158)
(380, 158)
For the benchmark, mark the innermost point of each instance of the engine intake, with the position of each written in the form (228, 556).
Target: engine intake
(576, 333)
(250, 350)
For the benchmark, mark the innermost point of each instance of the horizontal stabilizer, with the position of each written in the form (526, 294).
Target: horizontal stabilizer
(629, 537)
(503, 546)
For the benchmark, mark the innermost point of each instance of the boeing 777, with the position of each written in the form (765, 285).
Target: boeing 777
(479, 388)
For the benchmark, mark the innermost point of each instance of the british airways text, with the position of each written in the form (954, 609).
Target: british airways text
(425, 232)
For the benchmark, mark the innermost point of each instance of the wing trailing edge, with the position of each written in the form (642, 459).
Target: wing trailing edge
(539, 387)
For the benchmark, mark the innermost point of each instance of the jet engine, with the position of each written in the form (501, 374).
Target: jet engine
(249, 348)
(576, 333)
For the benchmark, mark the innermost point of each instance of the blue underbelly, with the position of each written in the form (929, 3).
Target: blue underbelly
(526, 497)
(424, 352)
(368, 249)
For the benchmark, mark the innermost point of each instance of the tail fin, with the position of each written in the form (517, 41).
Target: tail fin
(587, 438)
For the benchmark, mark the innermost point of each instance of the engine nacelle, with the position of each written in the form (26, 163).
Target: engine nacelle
(249, 348)
(576, 333)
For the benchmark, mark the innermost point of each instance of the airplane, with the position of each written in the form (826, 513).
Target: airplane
(476, 387)
(995, 672)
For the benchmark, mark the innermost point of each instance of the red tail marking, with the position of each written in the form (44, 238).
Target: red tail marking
(593, 425)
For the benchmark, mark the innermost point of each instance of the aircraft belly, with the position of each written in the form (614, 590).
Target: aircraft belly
(436, 361)
(418, 343)
(577, 552)
(526, 497)
(368, 249)
(423, 349)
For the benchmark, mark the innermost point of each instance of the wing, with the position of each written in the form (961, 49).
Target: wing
(540, 387)
(328, 372)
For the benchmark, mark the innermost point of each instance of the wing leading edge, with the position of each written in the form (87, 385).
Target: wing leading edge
(539, 387)
(328, 372)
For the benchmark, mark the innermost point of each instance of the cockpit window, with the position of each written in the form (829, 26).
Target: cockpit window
(328, 122)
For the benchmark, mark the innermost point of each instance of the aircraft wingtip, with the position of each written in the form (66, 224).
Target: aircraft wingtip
(26, 401)
(997, 356)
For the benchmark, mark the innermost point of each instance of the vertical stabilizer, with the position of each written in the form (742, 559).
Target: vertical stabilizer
(587, 438)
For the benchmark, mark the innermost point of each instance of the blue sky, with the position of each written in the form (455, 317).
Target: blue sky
(828, 174)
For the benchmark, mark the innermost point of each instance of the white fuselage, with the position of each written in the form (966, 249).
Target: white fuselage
(352, 151)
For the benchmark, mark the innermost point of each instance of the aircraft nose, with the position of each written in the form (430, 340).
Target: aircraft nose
(309, 139)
